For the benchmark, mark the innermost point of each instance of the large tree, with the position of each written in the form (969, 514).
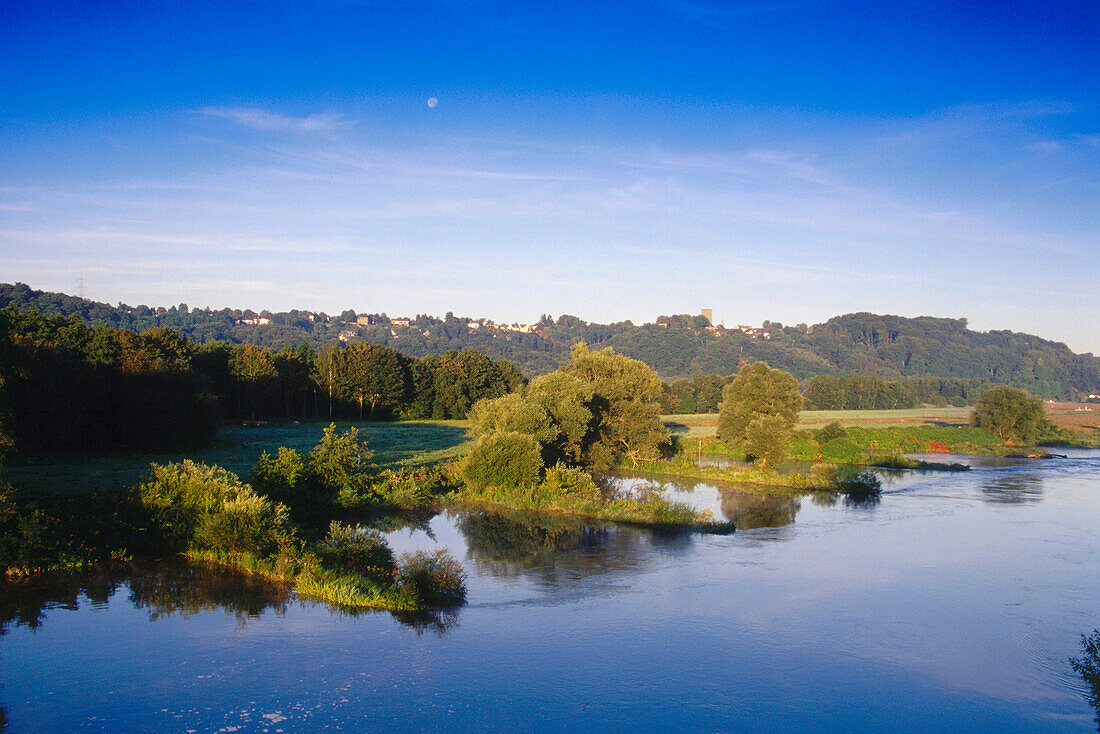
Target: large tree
(1013, 415)
(377, 376)
(756, 392)
(626, 405)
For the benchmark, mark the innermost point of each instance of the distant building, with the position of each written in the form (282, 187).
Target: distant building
(708, 314)
(363, 320)
(399, 322)
(346, 336)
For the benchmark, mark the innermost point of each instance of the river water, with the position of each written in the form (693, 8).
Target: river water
(953, 604)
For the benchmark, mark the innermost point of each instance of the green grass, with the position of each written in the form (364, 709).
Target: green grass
(683, 465)
(701, 425)
(236, 448)
(657, 512)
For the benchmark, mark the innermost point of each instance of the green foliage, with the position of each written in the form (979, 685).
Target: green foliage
(840, 449)
(358, 550)
(757, 391)
(503, 460)
(568, 403)
(435, 579)
(341, 465)
(941, 359)
(194, 505)
(829, 432)
(863, 486)
(626, 406)
(569, 481)
(246, 523)
(1088, 667)
(767, 439)
(1012, 414)
(412, 489)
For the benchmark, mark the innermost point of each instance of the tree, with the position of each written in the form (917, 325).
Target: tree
(766, 440)
(757, 391)
(1013, 415)
(626, 405)
(254, 366)
(376, 375)
(327, 369)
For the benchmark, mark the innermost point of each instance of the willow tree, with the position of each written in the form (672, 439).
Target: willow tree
(757, 391)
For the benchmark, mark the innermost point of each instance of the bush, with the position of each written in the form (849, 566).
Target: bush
(840, 449)
(862, 486)
(338, 472)
(208, 507)
(358, 550)
(1088, 667)
(563, 480)
(247, 523)
(180, 495)
(503, 460)
(435, 579)
(829, 432)
(284, 477)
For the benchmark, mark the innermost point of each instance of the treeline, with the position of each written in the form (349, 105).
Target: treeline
(863, 392)
(67, 386)
(703, 393)
(678, 346)
(70, 387)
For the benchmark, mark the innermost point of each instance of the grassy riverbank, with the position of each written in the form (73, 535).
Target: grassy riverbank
(653, 511)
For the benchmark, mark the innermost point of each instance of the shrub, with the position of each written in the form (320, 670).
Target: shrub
(862, 486)
(563, 480)
(358, 550)
(840, 449)
(828, 472)
(284, 477)
(247, 523)
(436, 579)
(503, 460)
(180, 495)
(209, 507)
(829, 432)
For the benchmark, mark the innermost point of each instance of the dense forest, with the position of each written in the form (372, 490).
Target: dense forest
(891, 348)
(68, 386)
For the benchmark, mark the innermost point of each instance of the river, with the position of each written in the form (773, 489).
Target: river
(952, 604)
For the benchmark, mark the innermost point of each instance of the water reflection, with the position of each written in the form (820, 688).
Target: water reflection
(167, 588)
(1002, 488)
(751, 511)
(561, 550)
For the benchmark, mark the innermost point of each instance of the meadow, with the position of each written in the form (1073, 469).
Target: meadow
(702, 425)
(236, 448)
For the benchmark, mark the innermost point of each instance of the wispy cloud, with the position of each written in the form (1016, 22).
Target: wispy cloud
(259, 119)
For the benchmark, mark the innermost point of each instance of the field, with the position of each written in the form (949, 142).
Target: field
(1075, 416)
(700, 425)
(236, 448)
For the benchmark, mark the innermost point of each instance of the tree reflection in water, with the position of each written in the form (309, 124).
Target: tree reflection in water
(749, 510)
(1013, 488)
(556, 549)
(167, 588)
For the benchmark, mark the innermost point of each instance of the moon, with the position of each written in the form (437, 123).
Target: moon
(432, 102)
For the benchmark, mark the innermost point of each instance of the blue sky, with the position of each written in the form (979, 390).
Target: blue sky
(770, 160)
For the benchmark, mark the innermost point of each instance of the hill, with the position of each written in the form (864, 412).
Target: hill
(885, 346)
